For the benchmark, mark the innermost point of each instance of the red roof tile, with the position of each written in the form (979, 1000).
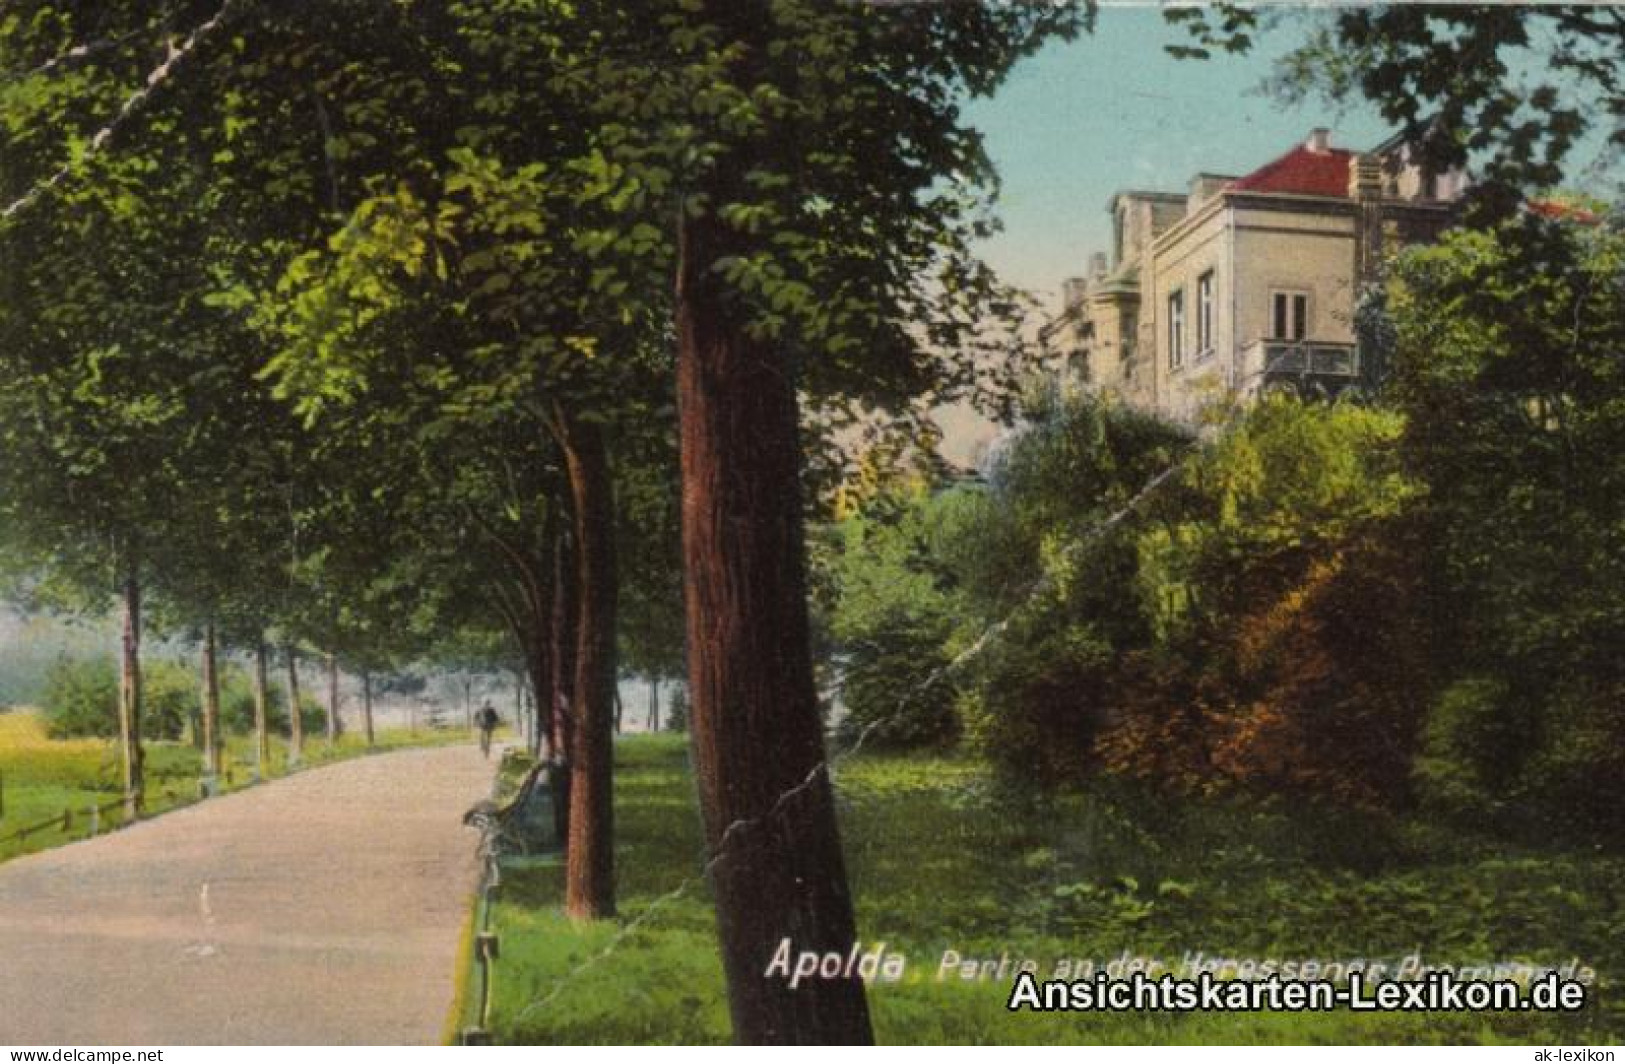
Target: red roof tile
(1303, 172)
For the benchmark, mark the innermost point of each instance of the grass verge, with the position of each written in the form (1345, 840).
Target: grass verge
(942, 859)
(45, 779)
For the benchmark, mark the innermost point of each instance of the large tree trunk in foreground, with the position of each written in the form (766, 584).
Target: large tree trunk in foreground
(296, 725)
(589, 878)
(211, 704)
(366, 705)
(777, 869)
(129, 707)
(332, 699)
(262, 731)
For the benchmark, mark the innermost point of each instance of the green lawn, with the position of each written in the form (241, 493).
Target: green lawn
(940, 860)
(44, 778)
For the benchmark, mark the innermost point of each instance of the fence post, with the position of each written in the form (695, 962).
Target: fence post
(95, 819)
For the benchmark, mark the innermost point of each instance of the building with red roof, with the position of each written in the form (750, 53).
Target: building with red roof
(1242, 284)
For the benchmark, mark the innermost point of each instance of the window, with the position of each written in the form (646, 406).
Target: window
(1204, 313)
(1176, 328)
(1289, 315)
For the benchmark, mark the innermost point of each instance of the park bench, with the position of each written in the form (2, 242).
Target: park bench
(524, 825)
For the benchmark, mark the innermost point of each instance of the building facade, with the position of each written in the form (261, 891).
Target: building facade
(1243, 284)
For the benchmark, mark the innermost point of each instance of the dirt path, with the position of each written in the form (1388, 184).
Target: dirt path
(323, 908)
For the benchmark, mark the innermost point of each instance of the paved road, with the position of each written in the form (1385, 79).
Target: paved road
(322, 908)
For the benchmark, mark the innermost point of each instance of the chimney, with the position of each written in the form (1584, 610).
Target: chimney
(1073, 290)
(1203, 187)
(1365, 188)
(1365, 177)
(1320, 141)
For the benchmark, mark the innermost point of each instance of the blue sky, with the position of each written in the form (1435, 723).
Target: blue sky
(1079, 121)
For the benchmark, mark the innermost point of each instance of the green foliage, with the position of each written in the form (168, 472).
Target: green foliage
(237, 706)
(1506, 366)
(1239, 612)
(898, 617)
(81, 698)
(82, 695)
(1280, 576)
(1471, 748)
(1052, 560)
(237, 701)
(1287, 483)
(172, 697)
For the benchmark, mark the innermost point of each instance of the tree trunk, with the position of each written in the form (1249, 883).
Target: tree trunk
(519, 720)
(332, 699)
(296, 725)
(211, 704)
(777, 868)
(262, 733)
(537, 658)
(366, 705)
(541, 651)
(654, 704)
(561, 681)
(589, 878)
(129, 714)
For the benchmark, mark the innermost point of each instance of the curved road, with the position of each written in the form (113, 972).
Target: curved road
(323, 908)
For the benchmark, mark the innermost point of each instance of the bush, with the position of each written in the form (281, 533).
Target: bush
(898, 608)
(1062, 582)
(1469, 752)
(82, 696)
(1281, 573)
(237, 701)
(1575, 772)
(171, 698)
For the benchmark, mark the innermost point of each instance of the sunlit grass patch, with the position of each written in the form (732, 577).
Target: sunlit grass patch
(52, 785)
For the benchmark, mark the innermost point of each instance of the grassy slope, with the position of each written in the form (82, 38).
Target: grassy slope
(939, 861)
(43, 777)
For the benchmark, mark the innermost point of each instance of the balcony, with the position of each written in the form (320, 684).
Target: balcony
(1310, 367)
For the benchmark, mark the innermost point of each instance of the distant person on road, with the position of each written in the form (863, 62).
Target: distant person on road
(487, 719)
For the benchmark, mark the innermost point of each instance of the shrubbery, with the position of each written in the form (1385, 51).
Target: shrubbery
(1421, 599)
(81, 699)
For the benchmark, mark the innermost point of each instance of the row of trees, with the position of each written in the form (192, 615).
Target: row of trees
(373, 326)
